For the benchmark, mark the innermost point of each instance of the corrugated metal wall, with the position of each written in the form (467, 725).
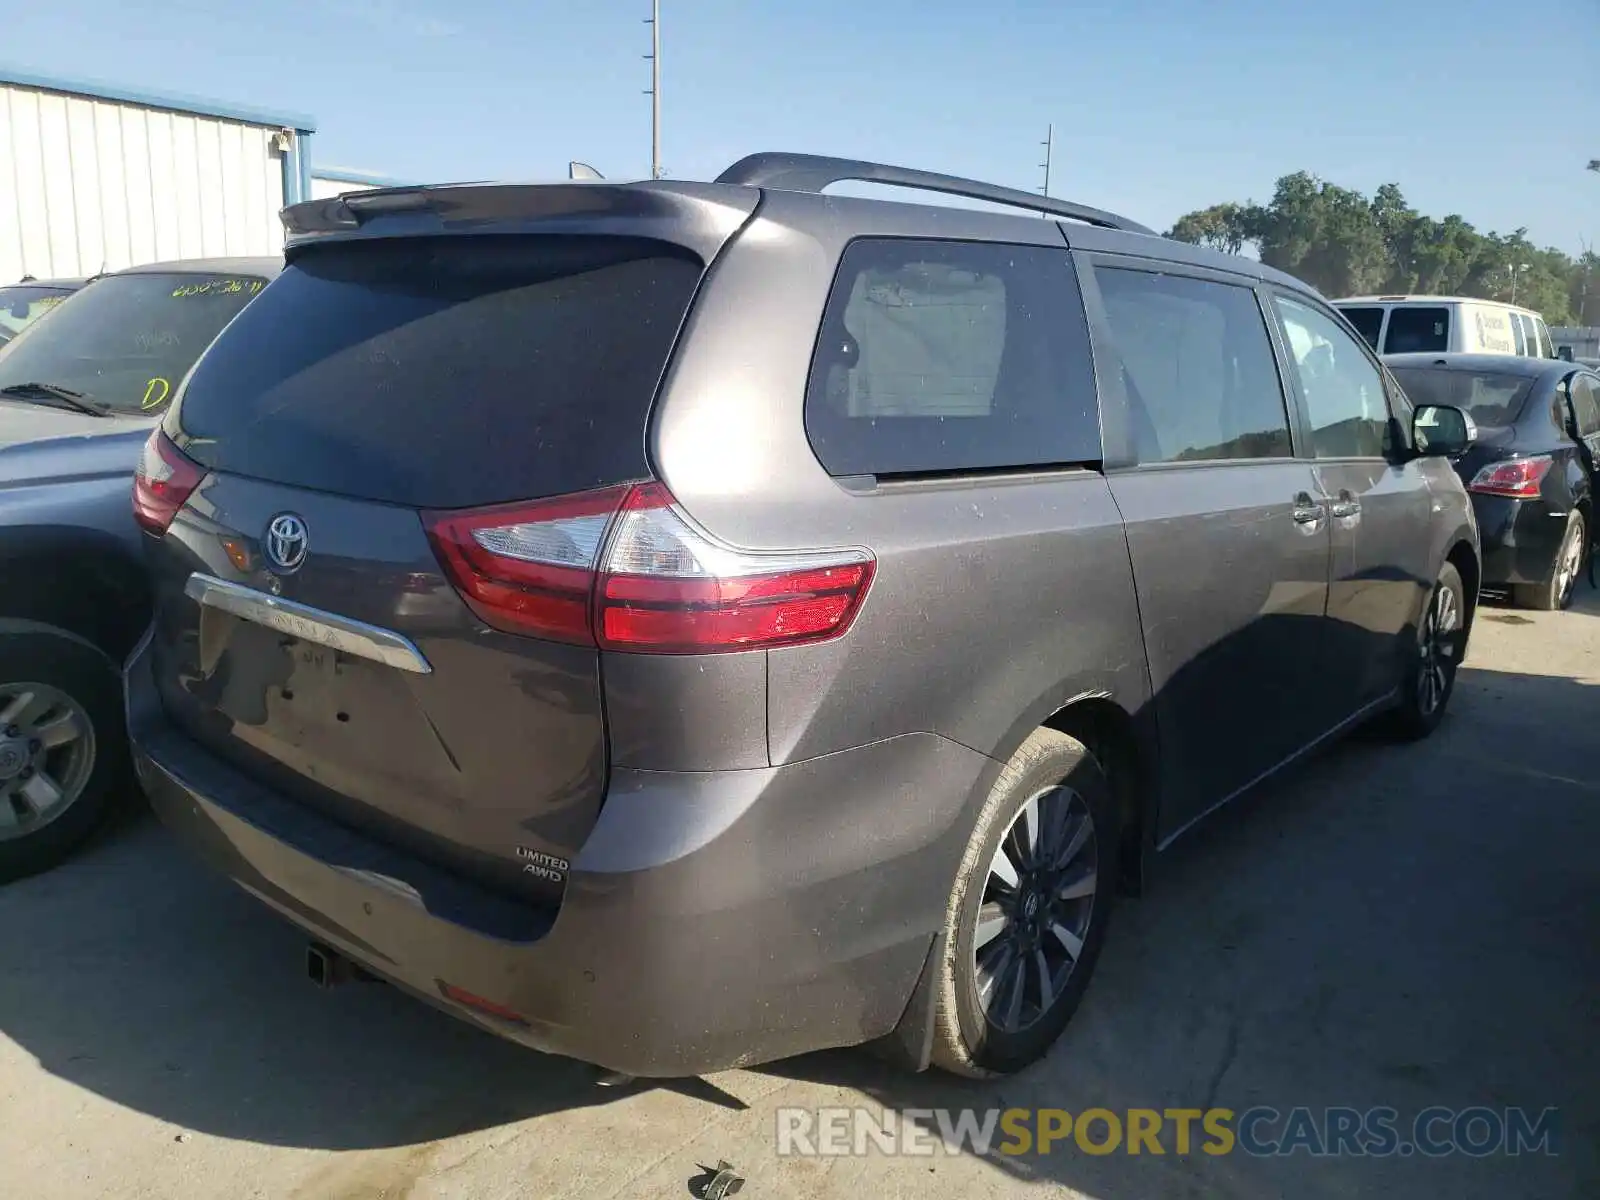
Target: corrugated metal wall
(89, 184)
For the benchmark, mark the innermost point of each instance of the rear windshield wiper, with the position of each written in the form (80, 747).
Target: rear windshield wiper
(81, 401)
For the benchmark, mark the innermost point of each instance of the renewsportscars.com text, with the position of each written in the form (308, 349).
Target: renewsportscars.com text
(1380, 1132)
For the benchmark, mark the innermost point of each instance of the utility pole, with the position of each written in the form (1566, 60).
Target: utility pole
(654, 21)
(1049, 147)
(1583, 296)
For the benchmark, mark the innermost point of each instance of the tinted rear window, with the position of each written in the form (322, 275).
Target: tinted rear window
(1491, 397)
(1414, 329)
(20, 306)
(952, 356)
(445, 372)
(1368, 322)
(1197, 368)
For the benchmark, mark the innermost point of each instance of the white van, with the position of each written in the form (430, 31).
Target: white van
(1424, 324)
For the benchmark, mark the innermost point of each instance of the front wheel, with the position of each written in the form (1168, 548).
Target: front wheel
(63, 749)
(1441, 643)
(1556, 593)
(1028, 912)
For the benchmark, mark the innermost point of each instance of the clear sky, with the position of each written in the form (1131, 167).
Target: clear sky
(1489, 108)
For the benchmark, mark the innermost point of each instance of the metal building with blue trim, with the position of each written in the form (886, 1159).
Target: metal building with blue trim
(106, 177)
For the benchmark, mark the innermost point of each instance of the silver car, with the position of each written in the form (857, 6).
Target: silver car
(682, 625)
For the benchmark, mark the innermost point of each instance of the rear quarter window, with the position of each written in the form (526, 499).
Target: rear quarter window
(952, 356)
(1415, 329)
(444, 372)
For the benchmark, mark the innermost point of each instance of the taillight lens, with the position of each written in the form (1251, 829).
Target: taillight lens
(528, 568)
(661, 586)
(1516, 477)
(667, 588)
(162, 483)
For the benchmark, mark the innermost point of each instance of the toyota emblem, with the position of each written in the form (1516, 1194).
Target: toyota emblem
(286, 543)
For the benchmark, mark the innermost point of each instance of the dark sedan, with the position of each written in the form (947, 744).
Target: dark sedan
(23, 303)
(1532, 471)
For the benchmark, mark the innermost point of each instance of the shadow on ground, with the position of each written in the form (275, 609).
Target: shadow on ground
(1402, 926)
(1394, 925)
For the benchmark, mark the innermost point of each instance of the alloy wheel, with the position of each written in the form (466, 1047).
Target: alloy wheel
(1038, 901)
(1569, 565)
(1439, 646)
(47, 753)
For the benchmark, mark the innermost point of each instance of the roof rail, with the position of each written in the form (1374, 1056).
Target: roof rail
(813, 172)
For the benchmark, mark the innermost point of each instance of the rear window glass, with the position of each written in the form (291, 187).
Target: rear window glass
(952, 356)
(24, 304)
(445, 372)
(1491, 397)
(127, 341)
(1368, 322)
(1413, 329)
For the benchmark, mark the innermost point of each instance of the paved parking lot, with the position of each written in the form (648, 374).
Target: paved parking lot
(1399, 926)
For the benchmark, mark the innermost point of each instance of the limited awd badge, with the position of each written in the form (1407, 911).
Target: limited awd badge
(542, 866)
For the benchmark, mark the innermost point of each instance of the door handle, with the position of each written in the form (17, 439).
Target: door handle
(1306, 510)
(1345, 506)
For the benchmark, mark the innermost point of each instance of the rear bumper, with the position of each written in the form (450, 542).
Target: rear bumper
(1520, 539)
(712, 919)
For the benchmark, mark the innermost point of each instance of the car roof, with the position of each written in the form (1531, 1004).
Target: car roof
(503, 207)
(269, 267)
(1433, 300)
(1502, 364)
(70, 284)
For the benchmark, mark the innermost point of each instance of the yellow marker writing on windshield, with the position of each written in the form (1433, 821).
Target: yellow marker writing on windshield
(155, 393)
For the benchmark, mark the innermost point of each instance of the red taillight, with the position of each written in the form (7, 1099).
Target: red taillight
(668, 588)
(1517, 477)
(528, 568)
(662, 586)
(162, 483)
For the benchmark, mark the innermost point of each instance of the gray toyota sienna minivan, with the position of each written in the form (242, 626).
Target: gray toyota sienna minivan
(682, 625)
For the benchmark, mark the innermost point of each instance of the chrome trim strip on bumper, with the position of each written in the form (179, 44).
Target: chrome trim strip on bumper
(307, 623)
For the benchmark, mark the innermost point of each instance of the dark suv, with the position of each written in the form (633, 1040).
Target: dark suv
(682, 625)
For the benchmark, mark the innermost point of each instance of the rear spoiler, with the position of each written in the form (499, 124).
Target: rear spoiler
(698, 216)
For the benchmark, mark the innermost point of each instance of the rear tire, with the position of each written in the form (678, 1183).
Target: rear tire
(1441, 643)
(1556, 593)
(1050, 824)
(71, 684)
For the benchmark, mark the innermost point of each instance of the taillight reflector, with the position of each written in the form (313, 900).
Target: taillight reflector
(624, 569)
(460, 995)
(1519, 478)
(162, 483)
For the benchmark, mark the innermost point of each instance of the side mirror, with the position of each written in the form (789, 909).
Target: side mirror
(1564, 353)
(1441, 431)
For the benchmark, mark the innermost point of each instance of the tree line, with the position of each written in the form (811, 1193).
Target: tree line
(1344, 244)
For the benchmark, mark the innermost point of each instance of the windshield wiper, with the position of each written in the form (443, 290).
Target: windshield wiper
(81, 401)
